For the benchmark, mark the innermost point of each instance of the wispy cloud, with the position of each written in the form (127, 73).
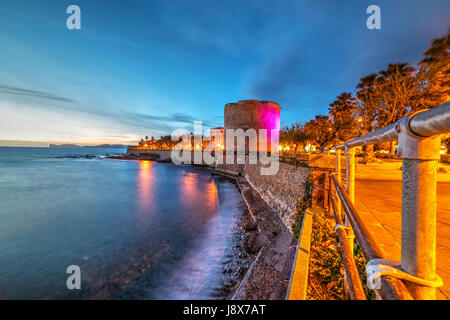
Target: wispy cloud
(173, 118)
(32, 93)
(125, 121)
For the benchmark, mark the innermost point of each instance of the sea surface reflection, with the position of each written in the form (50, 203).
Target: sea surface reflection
(137, 229)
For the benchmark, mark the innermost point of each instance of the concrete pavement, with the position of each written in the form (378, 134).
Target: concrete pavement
(378, 200)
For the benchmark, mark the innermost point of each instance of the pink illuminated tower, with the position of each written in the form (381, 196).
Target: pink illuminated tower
(254, 114)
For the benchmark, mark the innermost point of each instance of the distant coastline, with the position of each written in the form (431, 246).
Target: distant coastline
(106, 146)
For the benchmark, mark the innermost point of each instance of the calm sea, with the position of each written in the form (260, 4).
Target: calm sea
(136, 229)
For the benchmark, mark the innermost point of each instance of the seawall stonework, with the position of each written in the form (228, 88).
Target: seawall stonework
(281, 191)
(163, 154)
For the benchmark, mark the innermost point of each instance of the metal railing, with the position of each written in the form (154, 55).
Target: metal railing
(414, 277)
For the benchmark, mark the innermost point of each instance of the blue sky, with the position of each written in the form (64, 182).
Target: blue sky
(148, 67)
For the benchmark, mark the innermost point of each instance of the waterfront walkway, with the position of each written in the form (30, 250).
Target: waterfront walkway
(378, 200)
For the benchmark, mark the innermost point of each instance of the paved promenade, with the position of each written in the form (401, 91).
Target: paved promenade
(378, 200)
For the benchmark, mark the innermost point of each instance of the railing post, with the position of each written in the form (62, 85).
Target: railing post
(350, 176)
(350, 188)
(420, 156)
(338, 177)
(350, 172)
(338, 164)
(330, 193)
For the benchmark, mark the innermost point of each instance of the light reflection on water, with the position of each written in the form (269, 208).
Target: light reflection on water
(137, 229)
(145, 193)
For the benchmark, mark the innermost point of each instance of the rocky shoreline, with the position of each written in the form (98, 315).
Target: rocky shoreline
(268, 276)
(260, 260)
(237, 259)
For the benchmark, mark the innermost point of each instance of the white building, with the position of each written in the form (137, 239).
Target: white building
(216, 136)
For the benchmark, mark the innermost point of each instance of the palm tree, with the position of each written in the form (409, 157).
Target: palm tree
(399, 69)
(341, 112)
(396, 87)
(344, 103)
(434, 74)
(395, 92)
(366, 107)
(438, 51)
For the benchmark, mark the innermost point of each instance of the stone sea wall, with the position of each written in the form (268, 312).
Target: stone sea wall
(166, 156)
(268, 237)
(281, 191)
(163, 154)
(271, 200)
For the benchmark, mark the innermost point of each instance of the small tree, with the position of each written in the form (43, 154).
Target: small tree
(446, 142)
(322, 131)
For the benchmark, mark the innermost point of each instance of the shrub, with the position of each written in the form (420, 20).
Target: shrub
(326, 271)
(326, 274)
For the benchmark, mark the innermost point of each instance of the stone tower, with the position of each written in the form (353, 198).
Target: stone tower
(254, 114)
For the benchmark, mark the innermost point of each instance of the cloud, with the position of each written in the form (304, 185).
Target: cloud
(279, 76)
(129, 121)
(177, 117)
(335, 49)
(167, 123)
(32, 93)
